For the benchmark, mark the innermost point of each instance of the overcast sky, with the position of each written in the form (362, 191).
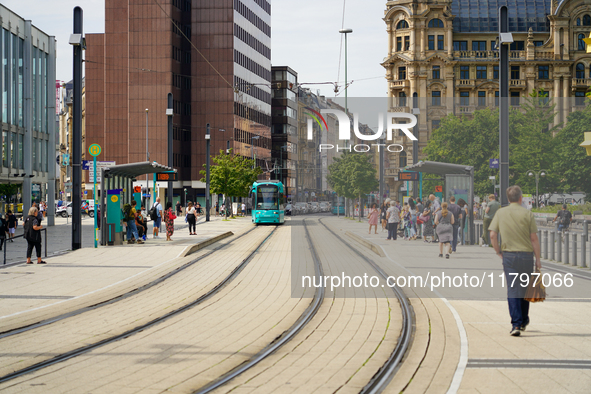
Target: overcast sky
(305, 36)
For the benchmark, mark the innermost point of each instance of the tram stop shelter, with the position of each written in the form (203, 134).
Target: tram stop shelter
(458, 181)
(117, 190)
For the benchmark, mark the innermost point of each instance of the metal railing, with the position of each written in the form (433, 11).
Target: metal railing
(7, 241)
(562, 247)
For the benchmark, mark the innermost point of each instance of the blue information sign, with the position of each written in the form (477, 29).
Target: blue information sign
(493, 163)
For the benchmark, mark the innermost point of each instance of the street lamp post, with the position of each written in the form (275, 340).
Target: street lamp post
(537, 174)
(345, 32)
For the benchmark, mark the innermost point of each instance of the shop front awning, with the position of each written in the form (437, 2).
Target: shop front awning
(133, 170)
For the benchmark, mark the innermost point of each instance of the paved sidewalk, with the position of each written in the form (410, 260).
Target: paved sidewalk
(552, 355)
(30, 293)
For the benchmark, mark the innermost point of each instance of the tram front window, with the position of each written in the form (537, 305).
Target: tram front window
(267, 198)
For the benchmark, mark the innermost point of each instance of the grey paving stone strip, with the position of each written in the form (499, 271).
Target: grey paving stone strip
(111, 339)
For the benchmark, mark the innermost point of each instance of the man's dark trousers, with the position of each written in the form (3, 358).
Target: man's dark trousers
(517, 263)
(454, 240)
(485, 234)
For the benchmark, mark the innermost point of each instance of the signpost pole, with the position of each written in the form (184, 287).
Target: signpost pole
(95, 204)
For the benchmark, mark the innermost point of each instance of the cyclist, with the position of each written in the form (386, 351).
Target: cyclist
(564, 218)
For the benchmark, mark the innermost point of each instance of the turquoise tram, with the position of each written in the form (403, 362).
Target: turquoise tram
(268, 202)
(338, 203)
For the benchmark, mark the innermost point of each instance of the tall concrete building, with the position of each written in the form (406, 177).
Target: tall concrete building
(27, 83)
(442, 59)
(285, 126)
(213, 56)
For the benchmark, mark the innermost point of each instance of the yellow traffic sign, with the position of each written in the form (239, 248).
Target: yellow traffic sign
(94, 150)
(588, 42)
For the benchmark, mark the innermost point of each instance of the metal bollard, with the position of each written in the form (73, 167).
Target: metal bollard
(574, 249)
(584, 240)
(559, 246)
(552, 240)
(566, 248)
(545, 244)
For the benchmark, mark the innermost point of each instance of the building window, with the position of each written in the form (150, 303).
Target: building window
(586, 20)
(479, 45)
(460, 45)
(402, 99)
(398, 44)
(402, 159)
(436, 72)
(543, 98)
(482, 99)
(582, 45)
(436, 98)
(579, 98)
(514, 72)
(406, 43)
(464, 99)
(431, 45)
(464, 72)
(481, 72)
(578, 21)
(493, 46)
(543, 72)
(579, 71)
(436, 23)
(517, 46)
(435, 123)
(514, 98)
(497, 98)
(401, 73)
(538, 43)
(495, 72)
(402, 25)
(440, 43)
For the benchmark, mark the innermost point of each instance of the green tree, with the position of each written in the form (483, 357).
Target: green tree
(533, 145)
(232, 176)
(461, 140)
(572, 163)
(7, 190)
(352, 175)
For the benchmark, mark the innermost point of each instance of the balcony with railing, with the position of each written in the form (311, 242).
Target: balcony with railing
(581, 82)
(487, 55)
(516, 83)
(399, 83)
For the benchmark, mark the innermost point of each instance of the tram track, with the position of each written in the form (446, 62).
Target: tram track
(382, 377)
(385, 374)
(85, 349)
(131, 293)
(285, 337)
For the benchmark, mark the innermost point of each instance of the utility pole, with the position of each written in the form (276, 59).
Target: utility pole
(169, 113)
(77, 41)
(207, 202)
(504, 104)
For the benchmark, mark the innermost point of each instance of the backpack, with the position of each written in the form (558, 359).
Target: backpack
(566, 218)
(30, 234)
(154, 212)
(127, 215)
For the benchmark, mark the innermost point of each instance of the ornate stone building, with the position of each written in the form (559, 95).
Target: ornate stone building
(442, 59)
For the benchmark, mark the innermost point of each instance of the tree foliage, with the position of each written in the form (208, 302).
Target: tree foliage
(231, 175)
(7, 190)
(571, 163)
(352, 175)
(532, 147)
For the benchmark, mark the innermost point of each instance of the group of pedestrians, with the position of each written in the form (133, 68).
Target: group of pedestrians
(429, 220)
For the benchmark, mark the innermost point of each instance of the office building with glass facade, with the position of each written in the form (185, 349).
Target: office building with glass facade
(27, 79)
